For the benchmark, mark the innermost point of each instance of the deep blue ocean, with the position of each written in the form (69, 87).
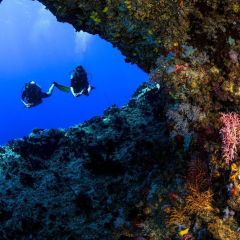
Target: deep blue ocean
(34, 46)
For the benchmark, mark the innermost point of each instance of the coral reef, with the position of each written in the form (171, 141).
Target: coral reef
(165, 165)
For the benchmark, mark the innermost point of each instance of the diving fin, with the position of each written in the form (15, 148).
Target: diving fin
(61, 87)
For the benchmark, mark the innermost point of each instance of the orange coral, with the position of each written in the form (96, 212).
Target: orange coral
(197, 201)
(166, 210)
(180, 68)
(197, 175)
(176, 216)
(234, 192)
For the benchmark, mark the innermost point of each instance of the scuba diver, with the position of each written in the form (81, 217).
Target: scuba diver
(34, 95)
(79, 82)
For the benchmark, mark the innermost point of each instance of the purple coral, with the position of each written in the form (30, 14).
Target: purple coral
(234, 56)
(230, 135)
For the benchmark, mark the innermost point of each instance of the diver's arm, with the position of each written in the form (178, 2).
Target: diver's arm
(26, 105)
(22, 99)
(73, 93)
(72, 90)
(29, 105)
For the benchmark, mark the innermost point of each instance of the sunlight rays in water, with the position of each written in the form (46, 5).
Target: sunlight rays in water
(42, 24)
(82, 41)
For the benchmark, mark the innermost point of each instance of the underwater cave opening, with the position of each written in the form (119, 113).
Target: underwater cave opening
(35, 46)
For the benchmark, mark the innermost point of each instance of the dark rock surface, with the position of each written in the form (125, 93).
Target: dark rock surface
(76, 184)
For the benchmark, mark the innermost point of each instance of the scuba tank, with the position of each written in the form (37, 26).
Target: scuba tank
(32, 92)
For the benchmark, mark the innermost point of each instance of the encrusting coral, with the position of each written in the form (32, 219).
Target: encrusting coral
(222, 231)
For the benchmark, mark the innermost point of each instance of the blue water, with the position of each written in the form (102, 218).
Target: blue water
(34, 46)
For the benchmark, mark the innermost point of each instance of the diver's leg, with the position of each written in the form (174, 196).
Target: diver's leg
(86, 91)
(49, 93)
(89, 89)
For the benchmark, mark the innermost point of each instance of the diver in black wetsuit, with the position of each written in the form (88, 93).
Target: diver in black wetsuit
(79, 83)
(32, 95)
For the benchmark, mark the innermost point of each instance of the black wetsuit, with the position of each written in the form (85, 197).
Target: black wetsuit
(79, 81)
(34, 94)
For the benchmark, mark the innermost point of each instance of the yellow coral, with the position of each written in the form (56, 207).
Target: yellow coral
(228, 86)
(235, 169)
(198, 202)
(150, 32)
(105, 9)
(193, 84)
(94, 17)
(214, 70)
(183, 232)
(235, 8)
(176, 216)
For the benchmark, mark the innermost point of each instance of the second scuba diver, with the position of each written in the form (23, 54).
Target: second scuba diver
(32, 95)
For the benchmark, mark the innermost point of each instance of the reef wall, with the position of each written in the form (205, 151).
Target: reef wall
(144, 29)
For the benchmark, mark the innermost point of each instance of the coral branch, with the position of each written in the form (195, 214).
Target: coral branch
(177, 216)
(197, 176)
(197, 202)
(230, 135)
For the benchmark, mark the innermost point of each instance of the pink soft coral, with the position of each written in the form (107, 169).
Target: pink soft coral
(230, 135)
(186, 236)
